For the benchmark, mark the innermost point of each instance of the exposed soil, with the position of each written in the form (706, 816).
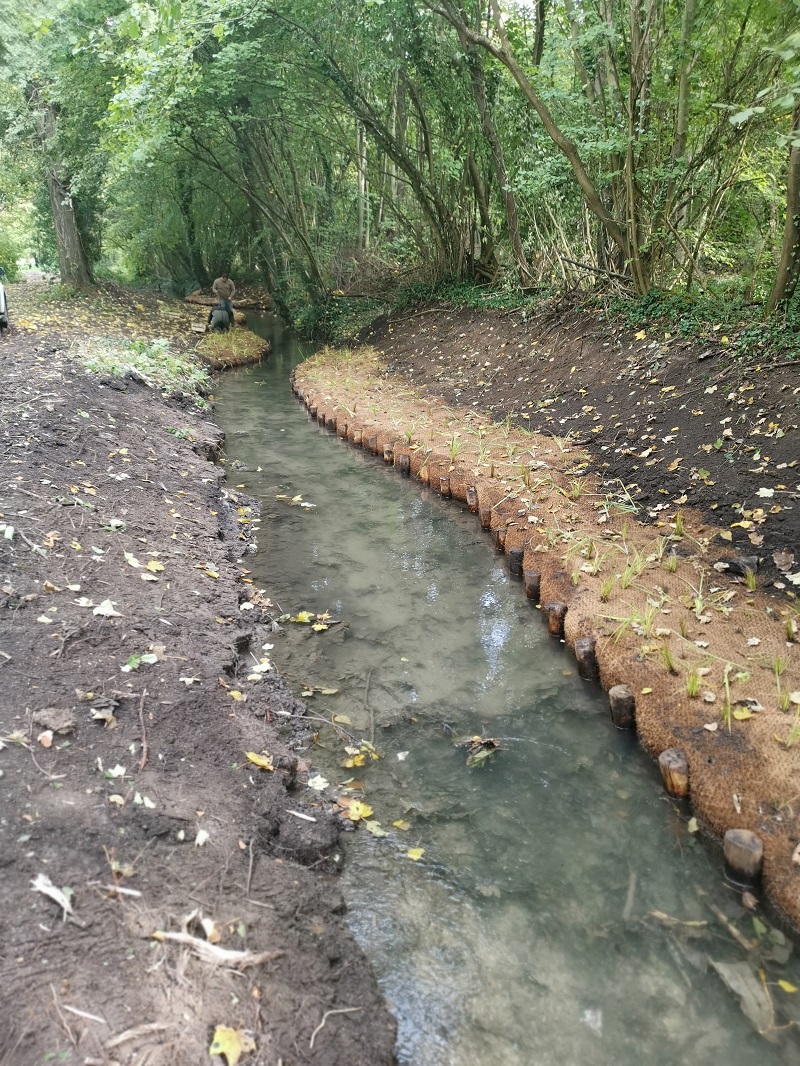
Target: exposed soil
(673, 419)
(131, 691)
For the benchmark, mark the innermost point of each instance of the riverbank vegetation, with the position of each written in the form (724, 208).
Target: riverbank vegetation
(345, 154)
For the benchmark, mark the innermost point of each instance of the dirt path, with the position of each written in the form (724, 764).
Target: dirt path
(135, 674)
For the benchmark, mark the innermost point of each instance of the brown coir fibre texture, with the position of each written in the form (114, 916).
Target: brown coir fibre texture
(663, 617)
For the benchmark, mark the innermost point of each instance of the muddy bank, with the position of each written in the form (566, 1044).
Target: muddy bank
(134, 659)
(665, 608)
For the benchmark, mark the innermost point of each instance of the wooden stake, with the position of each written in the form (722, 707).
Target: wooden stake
(623, 707)
(556, 613)
(533, 580)
(675, 772)
(404, 463)
(388, 453)
(744, 857)
(343, 430)
(486, 517)
(321, 418)
(331, 424)
(425, 476)
(515, 557)
(357, 437)
(313, 410)
(444, 486)
(372, 444)
(587, 658)
(500, 538)
(472, 498)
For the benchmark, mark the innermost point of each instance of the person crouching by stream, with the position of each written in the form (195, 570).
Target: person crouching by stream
(220, 319)
(224, 289)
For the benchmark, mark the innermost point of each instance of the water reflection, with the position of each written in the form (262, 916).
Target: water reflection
(525, 932)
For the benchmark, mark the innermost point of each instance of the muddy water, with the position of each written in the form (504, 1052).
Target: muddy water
(524, 934)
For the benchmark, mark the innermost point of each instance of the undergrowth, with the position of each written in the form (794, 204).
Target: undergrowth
(154, 362)
(722, 316)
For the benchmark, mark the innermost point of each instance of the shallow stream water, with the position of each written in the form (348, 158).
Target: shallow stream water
(524, 935)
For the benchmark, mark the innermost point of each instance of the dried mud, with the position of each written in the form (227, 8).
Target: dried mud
(126, 782)
(654, 583)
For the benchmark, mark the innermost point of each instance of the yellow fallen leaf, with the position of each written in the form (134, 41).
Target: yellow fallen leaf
(402, 825)
(342, 719)
(786, 986)
(264, 762)
(235, 694)
(646, 691)
(640, 336)
(358, 810)
(375, 829)
(232, 1043)
(415, 853)
(154, 566)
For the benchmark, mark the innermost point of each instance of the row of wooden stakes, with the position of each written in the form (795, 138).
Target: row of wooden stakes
(742, 848)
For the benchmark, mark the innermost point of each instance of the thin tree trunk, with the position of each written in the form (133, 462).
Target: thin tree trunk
(490, 133)
(487, 263)
(788, 274)
(72, 262)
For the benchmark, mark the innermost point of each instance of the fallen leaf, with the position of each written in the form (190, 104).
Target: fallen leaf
(783, 560)
(415, 853)
(106, 610)
(43, 884)
(342, 719)
(202, 838)
(712, 727)
(45, 738)
(235, 694)
(786, 986)
(263, 761)
(232, 1043)
(402, 825)
(318, 783)
(358, 810)
(375, 829)
(154, 566)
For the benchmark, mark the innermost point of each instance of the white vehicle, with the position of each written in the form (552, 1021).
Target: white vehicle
(3, 309)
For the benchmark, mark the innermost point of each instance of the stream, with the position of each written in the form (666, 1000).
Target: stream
(524, 934)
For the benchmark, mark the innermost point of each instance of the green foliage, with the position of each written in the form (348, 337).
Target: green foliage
(153, 362)
(10, 251)
(711, 316)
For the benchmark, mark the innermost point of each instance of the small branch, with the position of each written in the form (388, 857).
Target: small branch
(595, 270)
(325, 1016)
(143, 760)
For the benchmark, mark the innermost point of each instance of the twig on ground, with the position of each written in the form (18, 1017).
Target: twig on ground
(325, 1016)
(250, 867)
(84, 1014)
(143, 760)
(134, 1034)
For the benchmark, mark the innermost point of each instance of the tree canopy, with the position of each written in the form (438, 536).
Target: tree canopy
(312, 145)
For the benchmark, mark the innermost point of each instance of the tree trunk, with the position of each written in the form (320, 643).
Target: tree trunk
(789, 263)
(490, 133)
(196, 266)
(72, 262)
(488, 263)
